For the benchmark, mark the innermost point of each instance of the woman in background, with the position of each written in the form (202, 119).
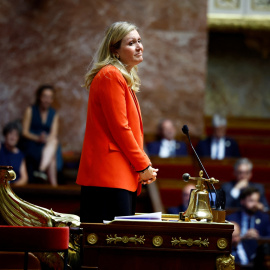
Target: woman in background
(113, 164)
(40, 129)
(10, 154)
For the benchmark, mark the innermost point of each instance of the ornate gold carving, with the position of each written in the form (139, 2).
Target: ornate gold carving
(222, 243)
(157, 241)
(225, 262)
(189, 242)
(7, 173)
(92, 238)
(18, 212)
(125, 239)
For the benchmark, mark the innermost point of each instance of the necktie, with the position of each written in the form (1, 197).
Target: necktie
(217, 149)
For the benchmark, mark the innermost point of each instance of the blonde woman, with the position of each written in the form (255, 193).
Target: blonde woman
(113, 164)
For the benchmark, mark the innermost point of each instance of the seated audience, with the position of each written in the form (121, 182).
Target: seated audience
(166, 145)
(10, 155)
(185, 200)
(243, 174)
(243, 251)
(40, 130)
(218, 146)
(253, 222)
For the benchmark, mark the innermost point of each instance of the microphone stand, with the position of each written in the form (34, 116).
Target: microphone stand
(185, 131)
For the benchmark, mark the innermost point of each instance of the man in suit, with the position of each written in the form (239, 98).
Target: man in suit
(243, 251)
(243, 174)
(218, 146)
(253, 222)
(167, 146)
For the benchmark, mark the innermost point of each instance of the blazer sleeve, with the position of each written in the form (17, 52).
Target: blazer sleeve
(113, 102)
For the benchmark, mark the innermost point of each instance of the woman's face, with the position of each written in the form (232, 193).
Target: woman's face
(46, 98)
(131, 50)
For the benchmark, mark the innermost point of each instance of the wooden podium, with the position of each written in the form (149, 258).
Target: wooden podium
(141, 245)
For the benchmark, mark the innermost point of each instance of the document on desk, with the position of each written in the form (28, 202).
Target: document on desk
(150, 216)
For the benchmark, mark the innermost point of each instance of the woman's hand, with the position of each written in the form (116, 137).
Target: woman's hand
(43, 137)
(148, 176)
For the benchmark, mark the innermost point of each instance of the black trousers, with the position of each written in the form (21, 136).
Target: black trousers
(101, 203)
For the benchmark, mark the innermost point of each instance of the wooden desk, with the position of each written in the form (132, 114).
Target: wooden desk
(139, 245)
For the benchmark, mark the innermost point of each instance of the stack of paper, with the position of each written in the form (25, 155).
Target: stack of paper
(150, 216)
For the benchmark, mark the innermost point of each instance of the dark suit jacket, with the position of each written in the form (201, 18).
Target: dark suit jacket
(231, 148)
(231, 202)
(154, 147)
(250, 246)
(262, 225)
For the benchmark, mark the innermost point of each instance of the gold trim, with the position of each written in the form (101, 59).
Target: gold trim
(225, 262)
(238, 22)
(125, 239)
(92, 238)
(222, 243)
(189, 242)
(157, 241)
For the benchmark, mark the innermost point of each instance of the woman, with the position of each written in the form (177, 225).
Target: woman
(10, 155)
(113, 164)
(40, 128)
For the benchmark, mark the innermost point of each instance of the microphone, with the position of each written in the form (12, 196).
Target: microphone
(186, 132)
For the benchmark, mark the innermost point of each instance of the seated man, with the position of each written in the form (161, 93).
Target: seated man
(218, 146)
(243, 251)
(185, 200)
(167, 146)
(243, 174)
(252, 221)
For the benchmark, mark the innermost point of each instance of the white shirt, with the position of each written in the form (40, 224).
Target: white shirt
(218, 148)
(167, 148)
(242, 254)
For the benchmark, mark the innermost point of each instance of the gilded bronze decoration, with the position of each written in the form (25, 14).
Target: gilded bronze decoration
(225, 262)
(92, 238)
(18, 212)
(125, 239)
(189, 242)
(222, 243)
(157, 241)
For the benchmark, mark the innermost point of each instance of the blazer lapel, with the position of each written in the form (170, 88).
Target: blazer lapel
(137, 107)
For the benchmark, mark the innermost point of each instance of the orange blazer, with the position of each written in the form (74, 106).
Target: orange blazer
(113, 144)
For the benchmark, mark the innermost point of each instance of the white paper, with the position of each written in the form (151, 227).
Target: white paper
(150, 216)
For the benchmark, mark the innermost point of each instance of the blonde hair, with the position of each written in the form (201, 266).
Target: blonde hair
(105, 55)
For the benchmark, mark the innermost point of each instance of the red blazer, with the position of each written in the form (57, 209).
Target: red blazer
(113, 144)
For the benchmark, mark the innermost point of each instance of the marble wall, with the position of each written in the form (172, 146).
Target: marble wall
(53, 42)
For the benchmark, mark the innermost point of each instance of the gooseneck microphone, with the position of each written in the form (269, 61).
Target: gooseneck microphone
(186, 132)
